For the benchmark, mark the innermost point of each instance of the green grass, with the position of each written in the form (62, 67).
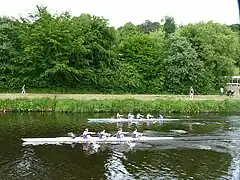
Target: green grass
(113, 104)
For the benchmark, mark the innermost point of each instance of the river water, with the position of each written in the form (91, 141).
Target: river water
(208, 147)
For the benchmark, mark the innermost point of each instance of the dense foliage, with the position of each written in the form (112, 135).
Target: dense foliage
(84, 53)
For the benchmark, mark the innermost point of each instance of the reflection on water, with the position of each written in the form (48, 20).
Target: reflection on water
(114, 167)
(205, 147)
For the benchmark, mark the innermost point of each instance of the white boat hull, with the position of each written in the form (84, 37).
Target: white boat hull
(69, 140)
(130, 120)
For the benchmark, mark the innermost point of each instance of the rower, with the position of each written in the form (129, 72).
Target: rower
(134, 134)
(71, 135)
(85, 134)
(160, 116)
(119, 116)
(120, 134)
(102, 134)
(130, 116)
(139, 116)
(149, 116)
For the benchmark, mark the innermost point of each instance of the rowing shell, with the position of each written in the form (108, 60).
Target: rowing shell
(67, 140)
(129, 120)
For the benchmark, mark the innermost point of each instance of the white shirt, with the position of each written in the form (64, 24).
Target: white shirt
(138, 116)
(85, 132)
(118, 116)
(148, 116)
(130, 116)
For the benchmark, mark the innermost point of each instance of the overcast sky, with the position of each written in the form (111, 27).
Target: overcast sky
(120, 12)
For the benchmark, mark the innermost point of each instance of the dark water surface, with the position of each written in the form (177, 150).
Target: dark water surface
(210, 149)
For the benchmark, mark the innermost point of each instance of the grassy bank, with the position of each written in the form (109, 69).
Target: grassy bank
(118, 105)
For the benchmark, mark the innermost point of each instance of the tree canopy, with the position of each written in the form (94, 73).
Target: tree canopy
(84, 53)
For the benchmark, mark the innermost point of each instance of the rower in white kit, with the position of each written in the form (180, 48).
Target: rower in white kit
(160, 116)
(149, 116)
(139, 116)
(130, 116)
(119, 116)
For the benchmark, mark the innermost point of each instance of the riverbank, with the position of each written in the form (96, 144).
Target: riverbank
(116, 103)
(113, 96)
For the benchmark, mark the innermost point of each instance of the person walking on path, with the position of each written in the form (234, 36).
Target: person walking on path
(221, 91)
(191, 92)
(23, 89)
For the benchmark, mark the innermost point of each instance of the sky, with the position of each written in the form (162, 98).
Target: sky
(119, 12)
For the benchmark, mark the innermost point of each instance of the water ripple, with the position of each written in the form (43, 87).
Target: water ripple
(28, 166)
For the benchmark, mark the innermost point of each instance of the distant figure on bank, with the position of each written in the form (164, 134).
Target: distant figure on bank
(191, 92)
(230, 92)
(23, 89)
(221, 91)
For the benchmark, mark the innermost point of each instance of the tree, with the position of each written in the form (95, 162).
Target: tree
(183, 68)
(149, 26)
(169, 25)
(61, 51)
(143, 51)
(217, 46)
(9, 50)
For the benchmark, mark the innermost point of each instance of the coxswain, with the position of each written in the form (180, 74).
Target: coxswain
(120, 134)
(149, 116)
(139, 116)
(85, 134)
(119, 116)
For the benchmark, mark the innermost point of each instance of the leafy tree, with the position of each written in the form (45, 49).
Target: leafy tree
(182, 66)
(149, 26)
(169, 25)
(143, 51)
(217, 46)
(60, 51)
(9, 50)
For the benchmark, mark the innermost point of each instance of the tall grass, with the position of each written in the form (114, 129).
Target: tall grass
(123, 106)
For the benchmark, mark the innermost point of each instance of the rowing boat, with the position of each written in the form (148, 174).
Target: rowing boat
(129, 120)
(93, 139)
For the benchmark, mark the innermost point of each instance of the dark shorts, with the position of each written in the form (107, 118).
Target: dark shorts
(118, 136)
